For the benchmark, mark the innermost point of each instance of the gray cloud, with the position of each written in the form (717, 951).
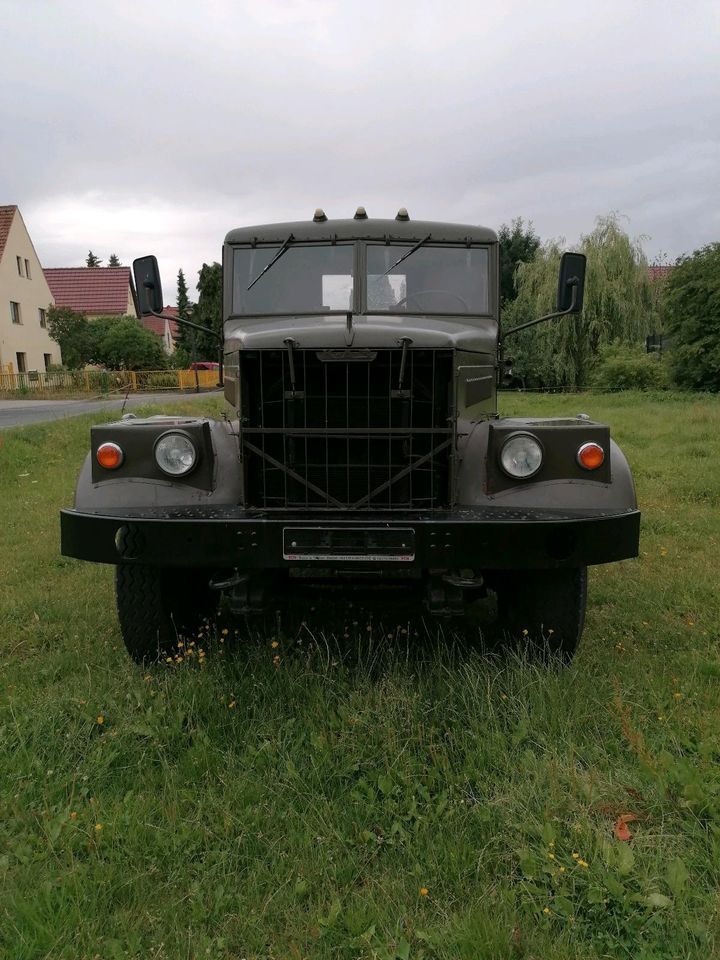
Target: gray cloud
(157, 127)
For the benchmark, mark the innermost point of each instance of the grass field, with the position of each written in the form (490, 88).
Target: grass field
(370, 796)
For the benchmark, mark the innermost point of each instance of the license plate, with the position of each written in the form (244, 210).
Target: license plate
(394, 544)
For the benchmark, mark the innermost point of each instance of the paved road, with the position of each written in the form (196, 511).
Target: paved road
(18, 413)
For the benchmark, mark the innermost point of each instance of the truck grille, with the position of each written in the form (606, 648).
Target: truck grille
(347, 429)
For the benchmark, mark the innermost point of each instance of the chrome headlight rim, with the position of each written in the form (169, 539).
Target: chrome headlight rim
(176, 475)
(517, 435)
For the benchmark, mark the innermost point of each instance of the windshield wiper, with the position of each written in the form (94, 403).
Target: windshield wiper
(281, 251)
(408, 254)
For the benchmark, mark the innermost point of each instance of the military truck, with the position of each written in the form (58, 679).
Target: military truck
(362, 359)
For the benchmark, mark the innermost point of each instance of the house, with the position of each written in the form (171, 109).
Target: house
(25, 344)
(94, 291)
(166, 329)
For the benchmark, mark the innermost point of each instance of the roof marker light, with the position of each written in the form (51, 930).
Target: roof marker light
(402, 214)
(320, 215)
(361, 214)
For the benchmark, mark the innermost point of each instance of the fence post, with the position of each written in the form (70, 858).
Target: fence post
(133, 380)
(87, 382)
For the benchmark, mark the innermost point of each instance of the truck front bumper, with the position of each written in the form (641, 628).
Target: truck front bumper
(477, 538)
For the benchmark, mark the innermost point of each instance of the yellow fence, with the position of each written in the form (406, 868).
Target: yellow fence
(36, 383)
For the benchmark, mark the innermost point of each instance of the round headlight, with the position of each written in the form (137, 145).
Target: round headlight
(521, 456)
(175, 454)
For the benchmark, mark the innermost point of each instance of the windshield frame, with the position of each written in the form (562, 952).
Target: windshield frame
(359, 267)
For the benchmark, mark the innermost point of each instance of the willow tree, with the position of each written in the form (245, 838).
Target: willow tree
(617, 309)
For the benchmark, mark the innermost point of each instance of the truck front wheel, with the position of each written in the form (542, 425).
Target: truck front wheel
(542, 610)
(157, 606)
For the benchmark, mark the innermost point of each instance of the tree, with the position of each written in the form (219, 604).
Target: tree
(692, 317)
(380, 293)
(184, 348)
(518, 244)
(122, 344)
(71, 331)
(208, 312)
(114, 261)
(617, 307)
(91, 260)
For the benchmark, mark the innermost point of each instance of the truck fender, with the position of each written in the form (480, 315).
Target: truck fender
(575, 492)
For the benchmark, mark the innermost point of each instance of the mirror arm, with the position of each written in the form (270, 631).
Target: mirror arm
(202, 329)
(188, 323)
(548, 316)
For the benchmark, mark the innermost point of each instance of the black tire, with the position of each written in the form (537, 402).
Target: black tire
(157, 606)
(543, 610)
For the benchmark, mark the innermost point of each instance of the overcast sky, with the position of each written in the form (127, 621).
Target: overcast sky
(155, 127)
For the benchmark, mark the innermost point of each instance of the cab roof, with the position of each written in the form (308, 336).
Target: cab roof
(363, 229)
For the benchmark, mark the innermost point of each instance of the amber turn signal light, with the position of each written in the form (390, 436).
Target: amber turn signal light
(590, 456)
(109, 456)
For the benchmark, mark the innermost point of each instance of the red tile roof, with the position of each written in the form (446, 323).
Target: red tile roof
(658, 272)
(7, 214)
(93, 290)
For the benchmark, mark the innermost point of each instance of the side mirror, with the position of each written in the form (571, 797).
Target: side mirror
(571, 283)
(148, 285)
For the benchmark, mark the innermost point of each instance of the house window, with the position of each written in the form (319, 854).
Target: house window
(19, 265)
(27, 269)
(21, 362)
(48, 361)
(43, 317)
(15, 312)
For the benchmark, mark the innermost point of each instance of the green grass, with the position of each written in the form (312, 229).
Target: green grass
(296, 810)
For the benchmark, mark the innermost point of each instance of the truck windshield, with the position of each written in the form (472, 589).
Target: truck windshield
(308, 278)
(435, 279)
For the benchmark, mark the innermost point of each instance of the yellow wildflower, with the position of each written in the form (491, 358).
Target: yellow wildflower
(525, 632)
(231, 705)
(275, 644)
(583, 864)
(224, 632)
(101, 719)
(276, 660)
(424, 891)
(575, 856)
(98, 827)
(562, 869)
(551, 856)
(73, 815)
(546, 910)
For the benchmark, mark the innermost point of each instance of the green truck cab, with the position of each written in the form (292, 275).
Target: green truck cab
(362, 359)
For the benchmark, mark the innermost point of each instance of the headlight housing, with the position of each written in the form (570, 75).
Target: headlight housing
(521, 456)
(175, 454)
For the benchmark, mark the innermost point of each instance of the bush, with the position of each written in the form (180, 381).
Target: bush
(629, 368)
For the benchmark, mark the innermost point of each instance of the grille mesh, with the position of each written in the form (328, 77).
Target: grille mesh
(343, 430)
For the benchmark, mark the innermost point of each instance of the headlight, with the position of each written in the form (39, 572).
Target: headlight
(175, 454)
(521, 456)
